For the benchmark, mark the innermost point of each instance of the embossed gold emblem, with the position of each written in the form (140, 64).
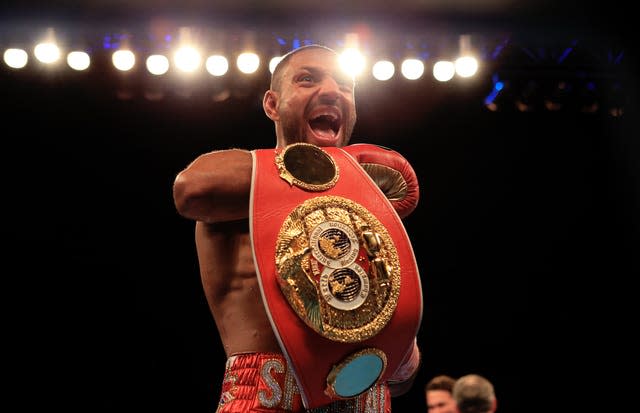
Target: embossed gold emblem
(307, 166)
(338, 268)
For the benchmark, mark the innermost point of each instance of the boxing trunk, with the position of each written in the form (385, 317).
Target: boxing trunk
(336, 269)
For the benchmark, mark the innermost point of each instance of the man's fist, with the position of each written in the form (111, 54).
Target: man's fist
(391, 172)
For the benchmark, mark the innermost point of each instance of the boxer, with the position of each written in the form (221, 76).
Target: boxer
(311, 101)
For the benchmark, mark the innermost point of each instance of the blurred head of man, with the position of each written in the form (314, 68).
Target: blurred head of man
(474, 394)
(438, 395)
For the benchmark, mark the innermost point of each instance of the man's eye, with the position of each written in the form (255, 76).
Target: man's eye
(306, 78)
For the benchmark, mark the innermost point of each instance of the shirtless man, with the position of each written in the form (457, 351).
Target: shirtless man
(310, 100)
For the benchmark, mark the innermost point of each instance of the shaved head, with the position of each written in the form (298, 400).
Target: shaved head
(276, 77)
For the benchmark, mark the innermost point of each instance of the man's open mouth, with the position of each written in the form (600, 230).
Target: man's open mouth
(326, 124)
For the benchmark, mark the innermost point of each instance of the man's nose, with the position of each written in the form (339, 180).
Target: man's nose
(330, 89)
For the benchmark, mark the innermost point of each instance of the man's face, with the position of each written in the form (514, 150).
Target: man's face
(440, 401)
(316, 102)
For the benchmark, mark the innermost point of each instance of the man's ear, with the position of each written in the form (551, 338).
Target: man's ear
(269, 104)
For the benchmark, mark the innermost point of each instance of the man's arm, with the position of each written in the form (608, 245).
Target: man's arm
(215, 187)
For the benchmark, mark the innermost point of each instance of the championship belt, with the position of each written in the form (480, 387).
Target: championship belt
(336, 269)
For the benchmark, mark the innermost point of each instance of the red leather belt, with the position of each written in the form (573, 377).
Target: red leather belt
(336, 268)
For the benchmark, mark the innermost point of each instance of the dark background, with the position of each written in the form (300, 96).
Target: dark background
(526, 233)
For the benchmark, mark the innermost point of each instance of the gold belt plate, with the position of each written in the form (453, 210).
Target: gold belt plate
(338, 268)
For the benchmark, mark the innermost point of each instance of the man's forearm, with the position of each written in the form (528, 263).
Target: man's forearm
(215, 187)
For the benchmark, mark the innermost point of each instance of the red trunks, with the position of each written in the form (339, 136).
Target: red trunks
(261, 382)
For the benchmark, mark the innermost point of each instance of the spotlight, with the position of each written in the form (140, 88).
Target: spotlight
(383, 70)
(47, 52)
(529, 96)
(500, 97)
(78, 60)
(615, 99)
(444, 70)
(217, 65)
(16, 58)
(412, 69)
(588, 97)
(123, 59)
(559, 96)
(248, 62)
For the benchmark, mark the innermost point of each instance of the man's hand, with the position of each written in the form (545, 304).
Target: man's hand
(391, 172)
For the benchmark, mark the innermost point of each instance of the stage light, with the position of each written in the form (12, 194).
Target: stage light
(529, 97)
(589, 98)
(123, 60)
(16, 58)
(217, 65)
(616, 98)
(443, 70)
(47, 52)
(273, 63)
(187, 59)
(248, 62)
(501, 96)
(490, 100)
(157, 64)
(78, 60)
(383, 70)
(466, 66)
(558, 97)
(412, 69)
(352, 61)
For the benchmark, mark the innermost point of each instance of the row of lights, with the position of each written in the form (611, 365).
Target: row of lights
(504, 94)
(554, 95)
(187, 59)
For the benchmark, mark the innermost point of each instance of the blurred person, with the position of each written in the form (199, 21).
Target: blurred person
(330, 258)
(474, 393)
(438, 394)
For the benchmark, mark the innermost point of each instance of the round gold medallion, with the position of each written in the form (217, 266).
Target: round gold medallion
(307, 166)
